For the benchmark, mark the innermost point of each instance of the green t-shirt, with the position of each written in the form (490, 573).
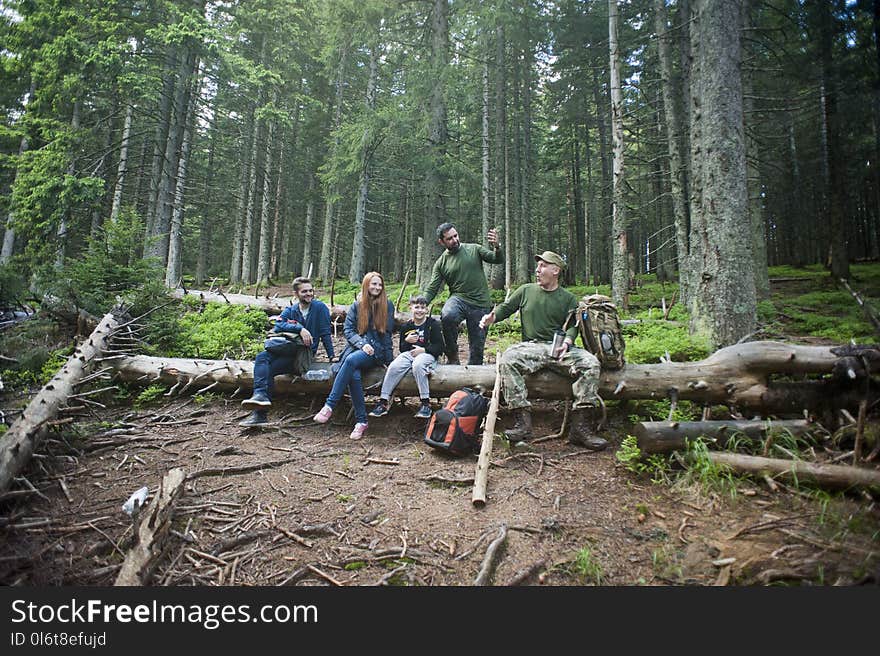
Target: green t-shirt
(540, 312)
(463, 272)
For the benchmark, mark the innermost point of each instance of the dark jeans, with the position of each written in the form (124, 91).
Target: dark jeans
(454, 312)
(269, 364)
(349, 378)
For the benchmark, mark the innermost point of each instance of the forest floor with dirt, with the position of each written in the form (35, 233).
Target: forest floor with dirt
(297, 503)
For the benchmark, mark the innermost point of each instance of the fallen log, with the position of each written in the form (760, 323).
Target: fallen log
(741, 375)
(152, 531)
(19, 442)
(667, 436)
(272, 305)
(835, 477)
(482, 472)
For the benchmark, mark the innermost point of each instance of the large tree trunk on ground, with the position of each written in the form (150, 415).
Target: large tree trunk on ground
(272, 305)
(153, 529)
(666, 436)
(837, 477)
(19, 442)
(738, 376)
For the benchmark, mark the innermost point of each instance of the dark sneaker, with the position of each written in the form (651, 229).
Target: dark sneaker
(380, 410)
(259, 399)
(424, 412)
(256, 418)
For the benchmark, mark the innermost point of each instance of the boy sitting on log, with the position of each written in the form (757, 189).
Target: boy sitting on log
(543, 307)
(421, 343)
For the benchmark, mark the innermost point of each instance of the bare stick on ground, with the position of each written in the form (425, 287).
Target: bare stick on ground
(153, 529)
(491, 557)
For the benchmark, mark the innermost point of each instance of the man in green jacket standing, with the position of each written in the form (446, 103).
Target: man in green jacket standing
(461, 267)
(543, 307)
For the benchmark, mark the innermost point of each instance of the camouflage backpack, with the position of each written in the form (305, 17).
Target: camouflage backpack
(600, 329)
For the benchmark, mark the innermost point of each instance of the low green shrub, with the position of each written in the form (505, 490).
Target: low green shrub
(149, 395)
(631, 457)
(214, 331)
(648, 342)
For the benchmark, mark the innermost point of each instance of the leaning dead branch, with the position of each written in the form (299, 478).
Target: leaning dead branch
(869, 311)
(482, 472)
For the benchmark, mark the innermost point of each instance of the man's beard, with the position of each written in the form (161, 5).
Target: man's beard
(454, 249)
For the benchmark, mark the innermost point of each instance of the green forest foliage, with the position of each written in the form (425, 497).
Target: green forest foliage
(281, 90)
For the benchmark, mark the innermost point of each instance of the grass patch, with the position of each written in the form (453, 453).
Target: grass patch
(631, 457)
(707, 475)
(587, 567)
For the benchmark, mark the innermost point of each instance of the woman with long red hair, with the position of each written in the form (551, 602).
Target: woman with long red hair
(369, 325)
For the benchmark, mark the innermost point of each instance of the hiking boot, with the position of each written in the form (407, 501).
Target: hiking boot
(323, 415)
(381, 409)
(522, 429)
(259, 399)
(424, 411)
(359, 430)
(256, 418)
(583, 433)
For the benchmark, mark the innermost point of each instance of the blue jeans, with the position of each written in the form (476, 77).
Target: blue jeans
(454, 312)
(349, 378)
(268, 364)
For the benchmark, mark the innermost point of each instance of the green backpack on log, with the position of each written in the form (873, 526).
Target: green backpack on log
(600, 329)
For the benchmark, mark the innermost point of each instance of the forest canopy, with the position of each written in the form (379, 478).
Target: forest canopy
(249, 142)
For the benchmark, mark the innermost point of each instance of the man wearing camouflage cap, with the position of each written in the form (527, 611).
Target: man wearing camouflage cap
(543, 307)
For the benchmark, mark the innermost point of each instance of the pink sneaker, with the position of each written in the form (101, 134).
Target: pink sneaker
(358, 432)
(324, 415)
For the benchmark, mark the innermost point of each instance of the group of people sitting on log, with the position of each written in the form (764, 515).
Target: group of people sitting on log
(543, 307)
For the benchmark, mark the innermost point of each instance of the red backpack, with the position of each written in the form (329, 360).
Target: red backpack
(455, 427)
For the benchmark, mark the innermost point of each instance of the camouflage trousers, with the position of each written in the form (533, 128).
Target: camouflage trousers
(528, 357)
